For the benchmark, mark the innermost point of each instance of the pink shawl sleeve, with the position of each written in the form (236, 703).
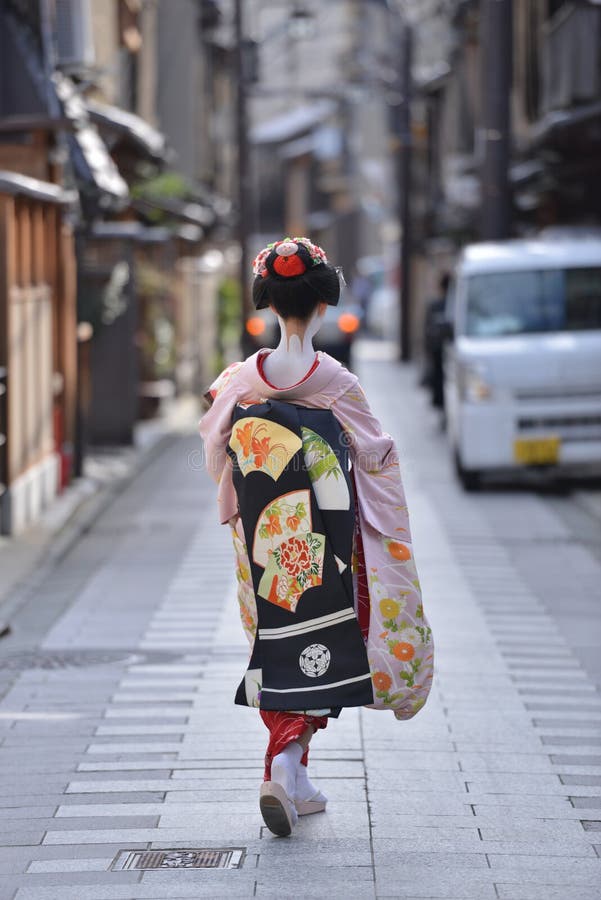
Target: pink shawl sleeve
(376, 464)
(215, 428)
(399, 644)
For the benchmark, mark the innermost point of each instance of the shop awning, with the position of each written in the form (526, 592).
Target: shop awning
(561, 126)
(130, 127)
(130, 231)
(91, 159)
(292, 124)
(189, 212)
(18, 185)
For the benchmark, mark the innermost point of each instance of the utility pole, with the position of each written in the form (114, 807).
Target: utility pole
(404, 192)
(244, 211)
(496, 77)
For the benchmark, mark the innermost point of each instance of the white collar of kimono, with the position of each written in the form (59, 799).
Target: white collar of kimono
(325, 372)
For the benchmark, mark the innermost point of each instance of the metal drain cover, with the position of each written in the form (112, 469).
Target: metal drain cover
(199, 858)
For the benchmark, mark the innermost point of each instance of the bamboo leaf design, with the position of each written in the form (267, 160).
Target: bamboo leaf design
(319, 456)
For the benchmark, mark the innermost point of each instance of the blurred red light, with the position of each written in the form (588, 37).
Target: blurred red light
(348, 323)
(255, 326)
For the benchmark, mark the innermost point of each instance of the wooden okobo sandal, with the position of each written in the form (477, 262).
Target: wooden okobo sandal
(316, 803)
(278, 811)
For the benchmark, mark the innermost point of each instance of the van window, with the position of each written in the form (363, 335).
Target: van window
(503, 303)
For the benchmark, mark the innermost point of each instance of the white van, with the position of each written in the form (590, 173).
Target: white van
(523, 366)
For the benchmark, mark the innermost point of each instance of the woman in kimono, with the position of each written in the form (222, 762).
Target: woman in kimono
(310, 485)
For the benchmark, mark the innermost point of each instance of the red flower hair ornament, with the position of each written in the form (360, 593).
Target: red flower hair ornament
(287, 258)
(301, 263)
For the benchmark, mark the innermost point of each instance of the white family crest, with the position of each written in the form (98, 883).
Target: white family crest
(314, 660)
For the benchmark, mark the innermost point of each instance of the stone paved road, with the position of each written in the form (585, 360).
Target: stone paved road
(118, 731)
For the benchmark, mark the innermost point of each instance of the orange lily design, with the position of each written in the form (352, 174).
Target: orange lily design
(261, 449)
(244, 435)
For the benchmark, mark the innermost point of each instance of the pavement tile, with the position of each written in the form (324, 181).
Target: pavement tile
(573, 760)
(584, 691)
(571, 850)
(352, 890)
(99, 864)
(527, 744)
(176, 730)
(429, 860)
(548, 869)
(520, 891)
(112, 749)
(21, 836)
(426, 804)
(170, 697)
(88, 881)
(505, 762)
(416, 882)
(14, 860)
(159, 784)
(158, 770)
(26, 812)
(336, 823)
(512, 805)
(592, 781)
(112, 797)
(558, 740)
(399, 781)
(175, 836)
(37, 768)
(323, 855)
(235, 805)
(566, 721)
(92, 821)
(578, 706)
(586, 802)
(150, 892)
(218, 822)
(441, 838)
(531, 783)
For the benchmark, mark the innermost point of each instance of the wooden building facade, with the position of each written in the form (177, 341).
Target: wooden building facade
(38, 324)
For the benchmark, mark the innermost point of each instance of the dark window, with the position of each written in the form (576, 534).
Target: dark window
(530, 302)
(582, 299)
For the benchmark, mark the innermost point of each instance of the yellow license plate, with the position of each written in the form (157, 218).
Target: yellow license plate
(536, 451)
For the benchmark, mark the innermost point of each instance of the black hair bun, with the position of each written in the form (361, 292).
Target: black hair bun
(294, 276)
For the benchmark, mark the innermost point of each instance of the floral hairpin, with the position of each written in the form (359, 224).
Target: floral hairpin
(287, 247)
(318, 255)
(259, 267)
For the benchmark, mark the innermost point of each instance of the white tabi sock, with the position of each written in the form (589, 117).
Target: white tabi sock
(305, 789)
(284, 767)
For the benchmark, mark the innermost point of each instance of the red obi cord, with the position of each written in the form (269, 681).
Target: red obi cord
(285, 727)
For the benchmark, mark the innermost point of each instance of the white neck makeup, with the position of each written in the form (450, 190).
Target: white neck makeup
(295, 354)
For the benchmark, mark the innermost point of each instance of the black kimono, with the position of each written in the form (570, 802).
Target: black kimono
(295, 497)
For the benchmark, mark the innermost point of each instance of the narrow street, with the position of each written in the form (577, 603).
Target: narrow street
(119, 733)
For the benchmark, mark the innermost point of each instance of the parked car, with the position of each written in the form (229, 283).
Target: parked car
(522, 368)
(381, 309)
(383, 312)
(336, 336)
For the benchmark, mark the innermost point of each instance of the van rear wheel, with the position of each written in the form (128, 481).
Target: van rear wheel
(471, 479)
